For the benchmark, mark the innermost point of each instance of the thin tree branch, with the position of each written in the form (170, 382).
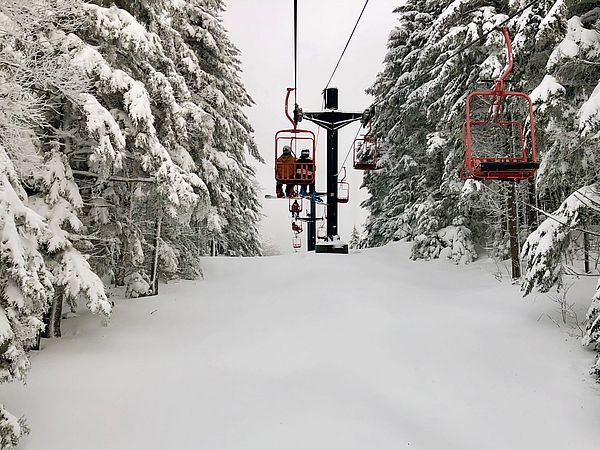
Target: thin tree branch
(83, 173)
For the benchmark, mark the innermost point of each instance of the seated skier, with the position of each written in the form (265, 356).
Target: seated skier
(304, 173)
(285, 170)
(295, 209)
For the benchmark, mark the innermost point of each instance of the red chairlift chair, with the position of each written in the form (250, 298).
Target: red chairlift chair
(365, 152)
(343, 194)
(499, 131)
(297, 140)
(296, 242)
(296, 228)
(322, 230)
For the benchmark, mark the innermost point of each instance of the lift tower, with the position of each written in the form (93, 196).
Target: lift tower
(332, 120)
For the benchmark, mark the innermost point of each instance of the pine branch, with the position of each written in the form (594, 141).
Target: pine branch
(84, 173)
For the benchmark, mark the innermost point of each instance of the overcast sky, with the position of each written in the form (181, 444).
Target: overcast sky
(263, 31)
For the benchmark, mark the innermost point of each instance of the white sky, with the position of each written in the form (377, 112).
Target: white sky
(263, 31)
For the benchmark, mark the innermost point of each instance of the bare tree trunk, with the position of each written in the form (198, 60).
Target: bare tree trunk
(154, 285)
(586, 252)
(532, 215)
(54, 316)
(513, 230)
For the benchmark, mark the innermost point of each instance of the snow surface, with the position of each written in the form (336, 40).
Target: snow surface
(362, 351)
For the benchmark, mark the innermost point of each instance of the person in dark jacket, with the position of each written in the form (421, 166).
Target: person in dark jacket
(304, 173)
(296, 208)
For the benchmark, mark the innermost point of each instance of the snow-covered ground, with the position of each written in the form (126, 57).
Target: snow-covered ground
(365, 351)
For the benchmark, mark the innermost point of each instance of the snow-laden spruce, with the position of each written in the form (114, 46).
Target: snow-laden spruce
(123, 133)
(567, 106)
(33, 76)
(25, 288)
(420, 111)
(417, 193)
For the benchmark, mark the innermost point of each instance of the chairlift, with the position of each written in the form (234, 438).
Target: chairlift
(365, 152)
(297, 227)
(322, 230)
(297, 140)
(343, 194)
(296, 242)
(499, 131)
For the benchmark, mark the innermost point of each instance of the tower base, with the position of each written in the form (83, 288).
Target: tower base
(332, 247)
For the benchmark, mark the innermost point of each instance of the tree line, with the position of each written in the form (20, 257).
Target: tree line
(418, 195)
(124, 157)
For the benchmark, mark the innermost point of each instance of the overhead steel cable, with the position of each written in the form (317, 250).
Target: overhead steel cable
(295, 54)
(347, 43)
(349, 150)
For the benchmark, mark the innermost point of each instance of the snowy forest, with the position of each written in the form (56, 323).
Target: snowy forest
(123, 158)
(418, 195)
(126, 158)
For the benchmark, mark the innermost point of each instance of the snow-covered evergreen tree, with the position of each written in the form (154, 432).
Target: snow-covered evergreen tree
(25, 286)
(31, 73)
(11, 429)
(122, 134)
(354, 239)
(420, 102)
(25, 281)
(72, 274)
(215, 82)
(189, 94)
(568, 113)
(142, 91)
(53, 86)
(419, 116)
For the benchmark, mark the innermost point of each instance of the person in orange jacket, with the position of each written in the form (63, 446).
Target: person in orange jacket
(285, 170)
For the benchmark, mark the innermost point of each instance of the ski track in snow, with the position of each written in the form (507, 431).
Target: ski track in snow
(305, 351)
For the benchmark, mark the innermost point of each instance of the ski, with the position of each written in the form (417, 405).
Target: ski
(309, 198)
(274, 197)
(308, 219)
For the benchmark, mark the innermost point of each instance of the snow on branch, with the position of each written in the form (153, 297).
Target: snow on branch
(589, 113)
(11, 429)
(77, 277)
(25, 283)
(175, 183)
(577, 41)
(544, 247)
(551, 19)
(547, 93)
(117, 24)
(103, 127)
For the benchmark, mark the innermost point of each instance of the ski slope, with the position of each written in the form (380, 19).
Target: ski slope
(299, 352)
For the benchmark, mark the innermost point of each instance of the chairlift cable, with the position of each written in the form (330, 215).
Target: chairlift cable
(347, 43)
(295, 54)
(319, 128)
(349, 150)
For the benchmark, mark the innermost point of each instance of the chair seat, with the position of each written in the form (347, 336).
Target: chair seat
(498, 166)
